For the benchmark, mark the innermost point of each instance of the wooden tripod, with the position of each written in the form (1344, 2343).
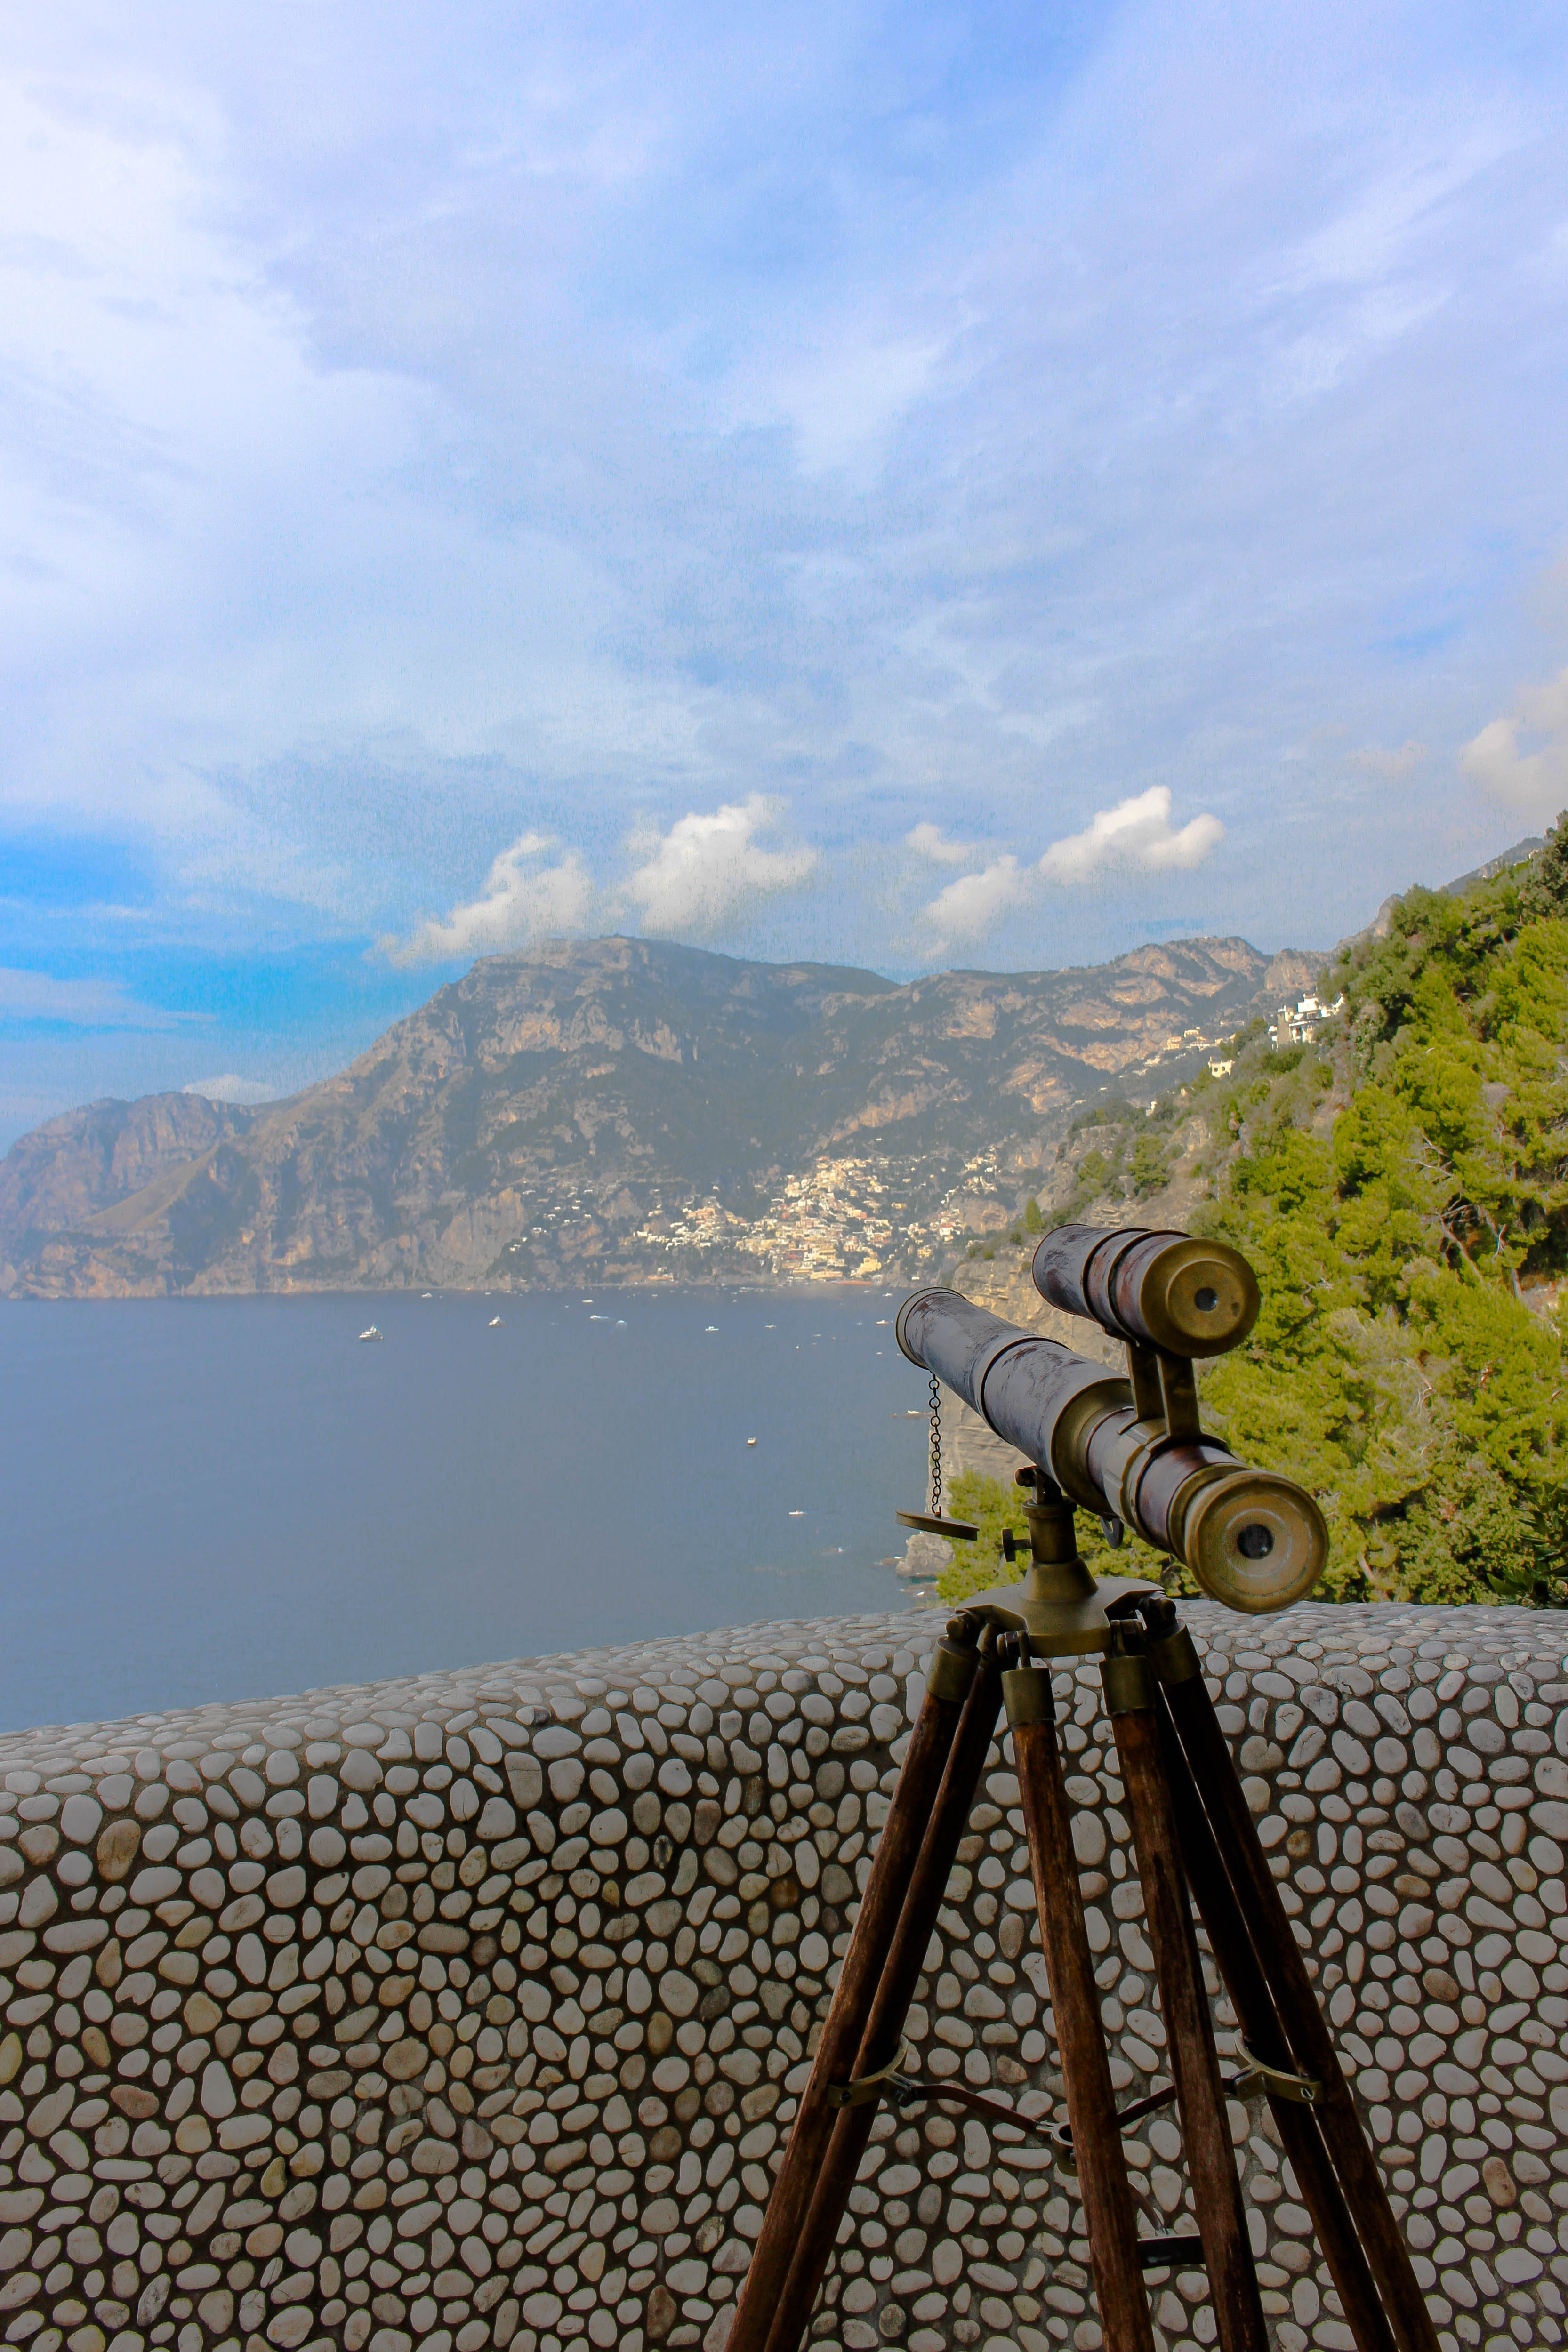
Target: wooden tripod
(1192, 1833)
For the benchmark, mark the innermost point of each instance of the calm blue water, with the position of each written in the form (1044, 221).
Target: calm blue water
(215, 1498)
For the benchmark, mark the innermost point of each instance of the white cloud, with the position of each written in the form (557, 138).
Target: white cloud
(852, 401)
(231, 1088)
(798, 457)
(1137, 833)
(79, 1004)
(844, 397)
(975, 904)
(1534, 782)
(708, 871)
(928, 841)
(520, 903)
(1374, 761)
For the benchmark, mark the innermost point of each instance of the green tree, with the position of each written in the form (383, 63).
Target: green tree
(1150, 1164)
(1543, 886)
(989, 1506)
(1394, 1367)
(1401, 1189)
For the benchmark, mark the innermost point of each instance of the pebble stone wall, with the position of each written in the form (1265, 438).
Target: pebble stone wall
(472, 2009)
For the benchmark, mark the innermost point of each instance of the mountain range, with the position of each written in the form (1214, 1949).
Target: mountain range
(625, 1110)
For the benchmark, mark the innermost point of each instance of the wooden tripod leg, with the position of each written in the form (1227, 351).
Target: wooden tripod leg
(952, 1674)
(1205, 2132)
(1197, 1726)
(1244, 1981)
(884, 2030)
(1085, 2070)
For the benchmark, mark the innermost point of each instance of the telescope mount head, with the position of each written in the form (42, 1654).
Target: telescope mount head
(1061, 1608)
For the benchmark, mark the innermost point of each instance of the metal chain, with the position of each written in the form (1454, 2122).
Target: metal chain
(935, 1448)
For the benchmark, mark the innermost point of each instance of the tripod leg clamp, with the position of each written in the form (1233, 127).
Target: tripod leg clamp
(1027, 1694)
(1277, 2081)
(953, 1670)
(867, 2087)
(1129, 1683)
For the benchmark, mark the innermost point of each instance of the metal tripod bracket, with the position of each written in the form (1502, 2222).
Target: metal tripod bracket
(1061, 1608)
(866, 2087)
(1259, 2076)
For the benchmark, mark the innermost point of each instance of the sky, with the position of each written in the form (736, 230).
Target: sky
(909, 487)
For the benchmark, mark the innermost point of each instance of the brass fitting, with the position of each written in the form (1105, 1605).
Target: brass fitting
(952, 1671)
(1175, 1657)
(1129, 1682)
(1027, 1695)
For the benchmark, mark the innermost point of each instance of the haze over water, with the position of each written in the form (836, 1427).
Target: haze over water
(227, 1498)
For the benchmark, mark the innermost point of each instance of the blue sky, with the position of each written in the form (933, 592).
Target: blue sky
(975, 485)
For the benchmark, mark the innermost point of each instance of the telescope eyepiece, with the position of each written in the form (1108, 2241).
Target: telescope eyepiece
(1254, 1540)
(1167, 1290)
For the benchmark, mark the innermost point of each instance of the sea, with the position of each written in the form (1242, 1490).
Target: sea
(208, 1499)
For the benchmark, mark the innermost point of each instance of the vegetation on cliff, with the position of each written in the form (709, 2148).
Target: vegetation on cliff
(1400, 1186)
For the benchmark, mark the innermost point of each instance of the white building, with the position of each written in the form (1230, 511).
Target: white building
(1301, 1025)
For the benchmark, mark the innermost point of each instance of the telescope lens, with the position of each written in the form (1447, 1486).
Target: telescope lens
(1253, 1540)
(1195, 1297)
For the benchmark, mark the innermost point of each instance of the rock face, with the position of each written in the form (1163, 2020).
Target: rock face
(618, 1108)
(474, 2009)
(72, 1167)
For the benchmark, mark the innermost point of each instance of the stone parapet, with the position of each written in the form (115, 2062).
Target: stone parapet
(472, 2009)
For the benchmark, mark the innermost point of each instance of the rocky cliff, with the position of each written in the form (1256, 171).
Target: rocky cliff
(623, 1109)
(72, 1167)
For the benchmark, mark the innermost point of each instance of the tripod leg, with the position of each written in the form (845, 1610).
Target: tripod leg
(1299, 2134)
(952, 1671)
(1206, 2133)
(1192, 1711)
(1085, 2070)
(880, 2044)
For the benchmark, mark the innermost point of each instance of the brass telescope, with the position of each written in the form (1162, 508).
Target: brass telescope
(1133, 1450)
(1130, 1449)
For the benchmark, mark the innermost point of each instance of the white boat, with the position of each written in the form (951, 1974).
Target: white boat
(492, 1324)
(751, 1441)
(372, 1334)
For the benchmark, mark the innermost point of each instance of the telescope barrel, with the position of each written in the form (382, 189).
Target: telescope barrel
(1252, 1540)
(1162, 1290)
(1017, 1382)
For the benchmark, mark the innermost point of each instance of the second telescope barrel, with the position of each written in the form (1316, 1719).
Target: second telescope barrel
(1252, 1538)
(1017, 1382)
(1167, 1290)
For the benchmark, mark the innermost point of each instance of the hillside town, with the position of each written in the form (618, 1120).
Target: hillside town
(843, 1219)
